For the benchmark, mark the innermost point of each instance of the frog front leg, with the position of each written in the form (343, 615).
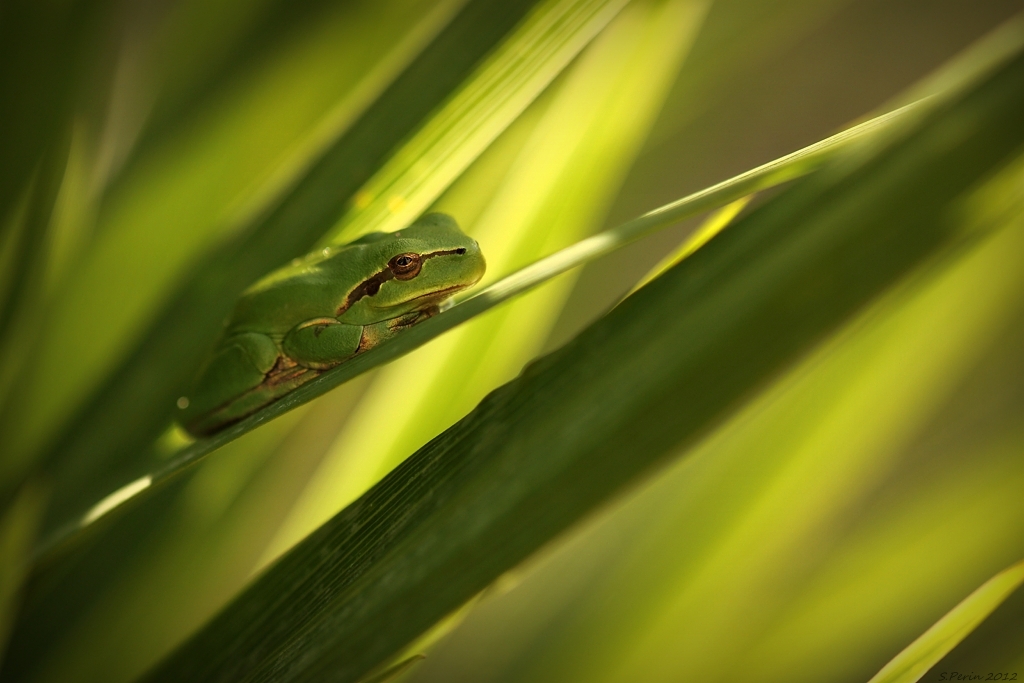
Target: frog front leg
(239, 366)
(248, 371)
(386, 329)
(321, 343)
(306, 350)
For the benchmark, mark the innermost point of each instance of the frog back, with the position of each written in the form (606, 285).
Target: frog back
(306, 289)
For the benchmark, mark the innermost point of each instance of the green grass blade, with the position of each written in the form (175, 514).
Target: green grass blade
(393, 672)
(502, 482)
(928, 650)
(40, 45)
(773, 173)
(764, 552)
(714, 224)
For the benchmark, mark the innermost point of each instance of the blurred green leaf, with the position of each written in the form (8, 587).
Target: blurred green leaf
(106, 443)
(550, 446)
(917, 658)
(44, 50)
(183, 553)
(181, 557)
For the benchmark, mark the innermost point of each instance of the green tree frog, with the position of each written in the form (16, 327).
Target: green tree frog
(322, 310)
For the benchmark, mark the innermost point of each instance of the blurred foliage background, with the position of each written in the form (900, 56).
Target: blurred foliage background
(158, 156)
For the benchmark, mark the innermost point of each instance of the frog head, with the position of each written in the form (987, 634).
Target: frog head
(412, 270)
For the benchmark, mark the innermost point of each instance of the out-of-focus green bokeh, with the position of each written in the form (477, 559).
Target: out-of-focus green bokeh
(834, 517)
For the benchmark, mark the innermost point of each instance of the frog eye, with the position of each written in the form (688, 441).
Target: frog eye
(405, 266)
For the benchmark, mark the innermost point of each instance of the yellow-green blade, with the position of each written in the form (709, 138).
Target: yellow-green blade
(466, 124)
(917, 658)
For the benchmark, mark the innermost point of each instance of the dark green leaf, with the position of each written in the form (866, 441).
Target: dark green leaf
(393, 671)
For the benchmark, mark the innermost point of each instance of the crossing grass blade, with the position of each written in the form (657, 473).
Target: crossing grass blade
(715, 223)
(549, 447)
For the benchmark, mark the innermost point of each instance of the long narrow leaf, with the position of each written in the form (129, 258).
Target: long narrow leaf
(690, 347)
(469, 122)
(928, 650)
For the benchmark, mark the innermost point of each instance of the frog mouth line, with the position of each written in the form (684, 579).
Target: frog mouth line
(432, 295)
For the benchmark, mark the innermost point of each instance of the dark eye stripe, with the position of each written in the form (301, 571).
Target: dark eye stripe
(368, 287)
(446, 252)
